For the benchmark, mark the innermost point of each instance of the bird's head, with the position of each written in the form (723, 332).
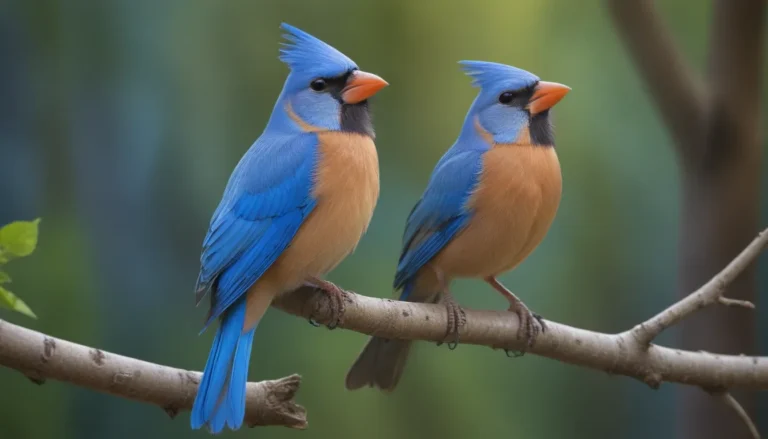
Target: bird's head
(513, 105)
(325, 90)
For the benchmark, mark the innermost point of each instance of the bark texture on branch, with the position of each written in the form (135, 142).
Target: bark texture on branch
(627, 353)
(613, 353)
(42, 357)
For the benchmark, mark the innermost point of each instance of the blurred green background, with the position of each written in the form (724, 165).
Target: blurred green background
(121, 121)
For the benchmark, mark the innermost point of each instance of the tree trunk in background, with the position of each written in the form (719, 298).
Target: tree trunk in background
(721, 207)
(715, 124)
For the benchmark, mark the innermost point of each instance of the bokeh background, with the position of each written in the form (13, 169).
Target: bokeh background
(121, 121)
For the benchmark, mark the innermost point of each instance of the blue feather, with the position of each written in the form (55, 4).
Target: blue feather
(239, 379)
(311, 56)
(220, 398)
(441, 213)
(491, 75)
(264, 204)
(266, 200)
(236, 280)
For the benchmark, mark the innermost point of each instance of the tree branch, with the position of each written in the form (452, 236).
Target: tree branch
(734, 405)
(270, 402)
(711, 293)
(677, 91)
(735, 302)
(625, 353)
(40, 357)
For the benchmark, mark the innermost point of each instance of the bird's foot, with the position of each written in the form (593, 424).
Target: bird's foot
(337, 298)
(531, 325)
(457, 318)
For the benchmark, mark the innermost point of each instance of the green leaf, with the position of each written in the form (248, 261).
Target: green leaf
(19, 238)
(10, 301)
(4, 278)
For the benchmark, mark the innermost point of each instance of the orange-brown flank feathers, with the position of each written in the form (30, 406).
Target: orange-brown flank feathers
(515, 202)
(346, 189)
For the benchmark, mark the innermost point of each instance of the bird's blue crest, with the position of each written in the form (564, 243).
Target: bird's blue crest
(490, 75)
(311, 56)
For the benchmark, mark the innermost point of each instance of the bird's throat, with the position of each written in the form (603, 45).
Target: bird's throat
(356, 118)
(540, 130)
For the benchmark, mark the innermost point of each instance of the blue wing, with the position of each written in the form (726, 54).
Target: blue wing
(440, 213)
(266, 200)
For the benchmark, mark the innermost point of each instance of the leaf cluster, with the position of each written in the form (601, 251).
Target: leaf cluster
(17, 240)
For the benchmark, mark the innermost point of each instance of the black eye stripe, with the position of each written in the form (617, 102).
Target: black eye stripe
(330, 84)
(517, 98)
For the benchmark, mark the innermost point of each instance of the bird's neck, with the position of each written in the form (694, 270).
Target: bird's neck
(540, 130)
(353, 119)
(284, 120)
(536, 133)
(473, 133)
(357, 119)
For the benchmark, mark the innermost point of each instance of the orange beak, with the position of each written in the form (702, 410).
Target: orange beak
(546, 95)
(361, 86)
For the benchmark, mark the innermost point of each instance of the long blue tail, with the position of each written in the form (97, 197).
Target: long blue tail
(220, 398)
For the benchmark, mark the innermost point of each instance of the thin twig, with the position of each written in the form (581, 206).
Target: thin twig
(40, 357)
(735, 302)
(707, 295)
(731, 402)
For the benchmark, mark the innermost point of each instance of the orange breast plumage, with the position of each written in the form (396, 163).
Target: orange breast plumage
(347, 189)
(514, 204)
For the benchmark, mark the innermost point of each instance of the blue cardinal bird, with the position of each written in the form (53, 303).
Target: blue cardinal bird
(488, 204)
(295, 206)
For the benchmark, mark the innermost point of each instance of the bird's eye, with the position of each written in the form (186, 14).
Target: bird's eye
(318, 85)
(506, 97)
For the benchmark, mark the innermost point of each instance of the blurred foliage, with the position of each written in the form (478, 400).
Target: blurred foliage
(17, 240)
(120, 122)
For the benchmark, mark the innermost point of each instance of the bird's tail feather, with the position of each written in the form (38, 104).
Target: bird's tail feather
(382, 361)
(380, 364)
(220, 398)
